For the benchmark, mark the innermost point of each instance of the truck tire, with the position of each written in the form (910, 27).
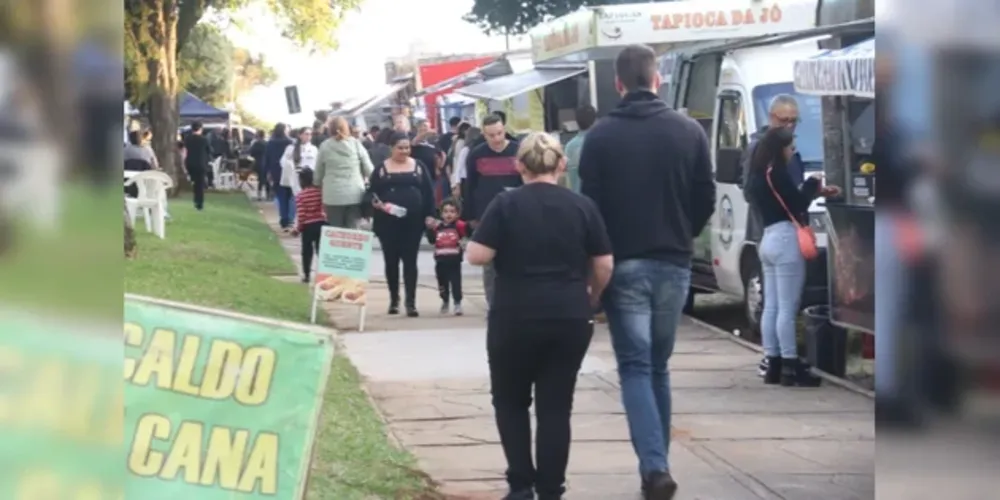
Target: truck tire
(753, 294)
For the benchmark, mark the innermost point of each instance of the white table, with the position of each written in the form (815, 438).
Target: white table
(131, 173)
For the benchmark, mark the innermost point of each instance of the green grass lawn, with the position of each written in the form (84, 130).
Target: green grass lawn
(225, 257)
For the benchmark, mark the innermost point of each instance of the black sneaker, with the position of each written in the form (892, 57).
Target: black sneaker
(762, 367)
(411, 312)
(520, 495)
(659, 486)
(305, 279)
(394, 307)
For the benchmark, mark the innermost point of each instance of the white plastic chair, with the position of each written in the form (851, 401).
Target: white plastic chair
(152, 200)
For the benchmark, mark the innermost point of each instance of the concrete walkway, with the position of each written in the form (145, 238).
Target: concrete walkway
(733, 438)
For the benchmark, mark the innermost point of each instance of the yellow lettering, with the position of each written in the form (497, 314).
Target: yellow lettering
(185, 453)
(158, 360)
(256, 373)
(133, 337)
(143, 460)
(262, 466)
(185, 366)
(224, 458)
(221, 370)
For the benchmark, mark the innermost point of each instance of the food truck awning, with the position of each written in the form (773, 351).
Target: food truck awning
(849, 71)
(600, 32)
(509, 86)
(361, 107)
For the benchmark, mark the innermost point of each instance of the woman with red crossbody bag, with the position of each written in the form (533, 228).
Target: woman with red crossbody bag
(785, 247)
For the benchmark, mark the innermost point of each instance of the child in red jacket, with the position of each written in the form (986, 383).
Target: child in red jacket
(309, 219)
(446, 236)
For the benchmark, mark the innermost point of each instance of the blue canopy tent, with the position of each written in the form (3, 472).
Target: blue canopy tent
(191, 108)
(849, 71)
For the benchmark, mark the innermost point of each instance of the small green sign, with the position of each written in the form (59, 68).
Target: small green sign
(219, 405)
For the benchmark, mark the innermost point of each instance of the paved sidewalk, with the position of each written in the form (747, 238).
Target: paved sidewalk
(733, 438)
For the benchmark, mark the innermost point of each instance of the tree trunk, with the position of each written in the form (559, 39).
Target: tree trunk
(130, 248)
(162, 66)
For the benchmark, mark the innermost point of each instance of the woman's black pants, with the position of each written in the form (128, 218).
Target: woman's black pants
(400, 240)
(544, 355)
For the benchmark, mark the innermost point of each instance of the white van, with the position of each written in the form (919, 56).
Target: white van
(728, 89)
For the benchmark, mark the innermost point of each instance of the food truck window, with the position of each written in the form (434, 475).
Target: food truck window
(732, 124)
(808, 133)
(699, 99)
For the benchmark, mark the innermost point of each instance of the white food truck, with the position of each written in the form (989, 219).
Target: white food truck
(730, 59)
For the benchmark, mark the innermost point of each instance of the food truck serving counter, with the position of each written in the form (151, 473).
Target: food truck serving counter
(848, 74)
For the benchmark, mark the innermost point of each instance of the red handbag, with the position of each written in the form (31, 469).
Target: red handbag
(805, 234)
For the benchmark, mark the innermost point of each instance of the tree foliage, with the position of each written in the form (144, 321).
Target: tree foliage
(216, 71)
(206, 66)
(156, 31)
(516, 17)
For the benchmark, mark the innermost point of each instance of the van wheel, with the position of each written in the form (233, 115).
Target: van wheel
(689, 302)
(753, 295)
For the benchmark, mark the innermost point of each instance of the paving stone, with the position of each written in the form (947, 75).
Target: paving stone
(482, 430)
(733, 437)
(769, 400)
(481, 385)
(819, 426)
(799, 456)
(714, 486)
(416, 355)
(486, 462)
(456, 406)
(821, 486)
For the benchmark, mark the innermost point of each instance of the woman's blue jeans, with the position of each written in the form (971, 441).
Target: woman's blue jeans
(784, 270)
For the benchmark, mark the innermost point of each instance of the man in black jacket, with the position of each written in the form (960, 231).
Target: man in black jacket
(649, 170)
(199, 154)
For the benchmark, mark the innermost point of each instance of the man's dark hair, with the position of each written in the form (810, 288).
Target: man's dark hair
(196, 126)
(454, 121)
(586, 115)
(636, 67)
(374, 130)
(493, 119)
(134, 137)
(502, 116)
(261, 134)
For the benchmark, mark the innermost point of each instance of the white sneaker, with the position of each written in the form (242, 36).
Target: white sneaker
(458, 309)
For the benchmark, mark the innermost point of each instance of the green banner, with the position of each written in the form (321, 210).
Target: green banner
(218, 405)
(60, 408)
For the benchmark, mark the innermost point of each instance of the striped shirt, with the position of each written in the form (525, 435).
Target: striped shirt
(309, 207)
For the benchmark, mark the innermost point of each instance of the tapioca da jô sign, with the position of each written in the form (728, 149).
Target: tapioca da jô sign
(715, 18)
(219, 405)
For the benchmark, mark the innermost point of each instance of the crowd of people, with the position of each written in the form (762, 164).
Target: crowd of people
(618, 240)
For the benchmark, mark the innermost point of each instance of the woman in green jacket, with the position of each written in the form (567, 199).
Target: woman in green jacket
(341, 171)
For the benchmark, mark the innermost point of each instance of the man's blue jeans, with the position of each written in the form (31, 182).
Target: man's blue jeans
(643, 303)
(286, 205)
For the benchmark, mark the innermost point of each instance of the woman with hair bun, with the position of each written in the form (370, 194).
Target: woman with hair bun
(553, 260)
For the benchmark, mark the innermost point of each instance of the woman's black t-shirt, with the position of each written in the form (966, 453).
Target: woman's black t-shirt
(407, 189)
(544, 236)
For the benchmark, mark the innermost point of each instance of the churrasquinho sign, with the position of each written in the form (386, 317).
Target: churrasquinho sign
(219, 405)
